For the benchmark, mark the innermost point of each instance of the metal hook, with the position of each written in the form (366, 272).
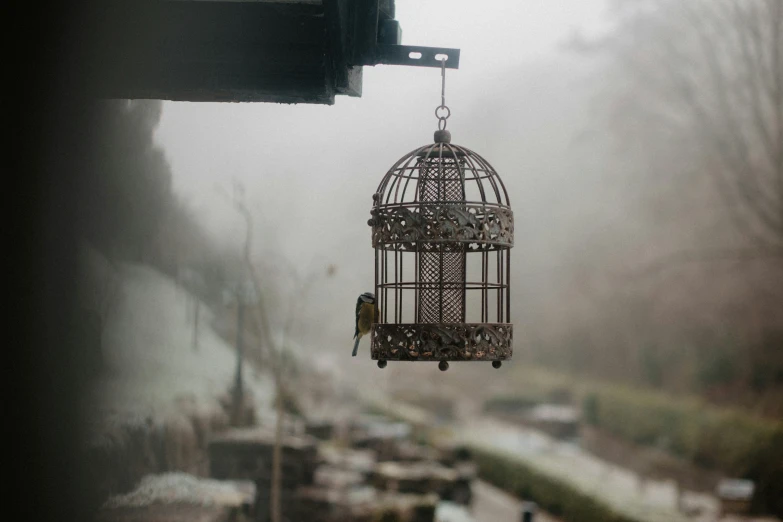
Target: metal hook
(442, 118)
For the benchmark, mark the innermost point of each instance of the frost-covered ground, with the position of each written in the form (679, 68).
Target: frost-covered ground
(653, 501)
(175, 488)
(150, 364)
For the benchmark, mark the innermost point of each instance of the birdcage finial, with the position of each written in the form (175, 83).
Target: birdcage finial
(442, 136)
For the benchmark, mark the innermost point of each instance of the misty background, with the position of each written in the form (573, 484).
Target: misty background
(627, 265)
(309, 171)
(641, 144)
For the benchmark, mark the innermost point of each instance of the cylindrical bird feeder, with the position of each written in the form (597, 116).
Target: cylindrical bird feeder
(442, 229)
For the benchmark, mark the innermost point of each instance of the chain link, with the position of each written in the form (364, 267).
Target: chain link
(439, 111)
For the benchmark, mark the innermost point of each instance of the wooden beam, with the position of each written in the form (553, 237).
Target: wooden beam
(214, 51)
(365, 31)
(290, 51)
(339, 23)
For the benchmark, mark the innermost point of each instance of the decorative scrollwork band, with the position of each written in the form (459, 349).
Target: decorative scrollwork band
(442, 342)
(460, 227)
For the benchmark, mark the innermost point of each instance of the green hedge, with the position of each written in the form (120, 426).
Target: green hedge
(511, 403)
(732, 442)
(716, 438)
(552, 495)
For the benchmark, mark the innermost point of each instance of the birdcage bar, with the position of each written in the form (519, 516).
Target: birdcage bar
(386, 291)
(486, 278)
(399, 172)
(378, 277)
(439, 256)
(508, 285)
(379, 292)
(483, 317)
(462, 293)
(399, 279)
(396, 288)
(412, 175)
(416, 283)
(497, 276)
(469, 285)
(492, 179)
(501, 304)
(396, 178)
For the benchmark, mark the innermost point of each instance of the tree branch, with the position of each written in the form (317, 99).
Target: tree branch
(753, 60)
(735, 151)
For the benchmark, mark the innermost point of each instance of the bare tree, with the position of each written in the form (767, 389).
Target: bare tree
(276, 351)
(263, 328)
(707, 75)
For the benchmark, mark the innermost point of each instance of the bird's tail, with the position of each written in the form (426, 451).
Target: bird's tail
(356, 345)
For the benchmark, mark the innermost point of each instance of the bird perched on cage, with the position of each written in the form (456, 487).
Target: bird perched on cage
(367, 313)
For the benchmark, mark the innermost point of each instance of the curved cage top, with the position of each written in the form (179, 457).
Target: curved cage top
(442, 196)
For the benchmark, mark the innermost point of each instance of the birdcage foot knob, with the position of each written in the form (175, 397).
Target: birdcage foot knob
(382, 364)
(443, 366)
(496, 364)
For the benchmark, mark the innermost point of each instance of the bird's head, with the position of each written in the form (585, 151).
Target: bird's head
(367, 297)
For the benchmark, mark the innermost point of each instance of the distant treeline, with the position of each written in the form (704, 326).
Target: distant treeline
(680, 286)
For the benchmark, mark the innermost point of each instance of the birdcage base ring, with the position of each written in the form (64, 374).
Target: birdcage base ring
(442, 342)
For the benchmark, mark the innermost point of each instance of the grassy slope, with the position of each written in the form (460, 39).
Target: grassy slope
(149, 361)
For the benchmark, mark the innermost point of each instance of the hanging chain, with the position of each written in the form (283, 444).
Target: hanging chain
(442, 112)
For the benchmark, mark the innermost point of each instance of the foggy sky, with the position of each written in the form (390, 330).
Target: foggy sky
(309, 171)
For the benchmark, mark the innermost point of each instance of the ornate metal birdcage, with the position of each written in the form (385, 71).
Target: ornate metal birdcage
(442, 229)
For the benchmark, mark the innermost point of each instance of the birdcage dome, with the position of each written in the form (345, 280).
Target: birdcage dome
(442, 229)
(445, 194)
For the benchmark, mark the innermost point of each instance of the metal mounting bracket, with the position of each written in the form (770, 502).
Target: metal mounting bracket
(415, 55)
(377, 36)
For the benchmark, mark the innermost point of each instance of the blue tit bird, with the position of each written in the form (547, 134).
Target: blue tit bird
(367, 313)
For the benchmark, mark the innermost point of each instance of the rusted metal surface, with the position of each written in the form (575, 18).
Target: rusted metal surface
(442, 342)
(468, 226)
(442, 229)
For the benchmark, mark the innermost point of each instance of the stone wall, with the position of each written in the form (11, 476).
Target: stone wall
(120, 453)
